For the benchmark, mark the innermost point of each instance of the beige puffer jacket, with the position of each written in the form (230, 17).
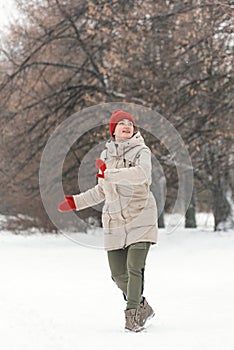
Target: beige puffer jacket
(129, 213)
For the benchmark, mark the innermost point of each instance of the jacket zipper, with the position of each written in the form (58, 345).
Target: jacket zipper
(124, 161)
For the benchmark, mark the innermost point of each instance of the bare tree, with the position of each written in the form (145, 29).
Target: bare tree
(174, 57)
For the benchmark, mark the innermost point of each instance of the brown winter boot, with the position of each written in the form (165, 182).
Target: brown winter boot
(132, 318)
(146, 312)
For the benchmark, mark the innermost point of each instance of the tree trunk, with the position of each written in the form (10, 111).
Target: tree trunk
(190, 216)
(161, 223)
(222, 209)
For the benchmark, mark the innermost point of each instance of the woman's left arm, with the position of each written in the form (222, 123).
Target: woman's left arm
(141, 173)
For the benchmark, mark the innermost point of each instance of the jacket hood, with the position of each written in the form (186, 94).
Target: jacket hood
(119, 148)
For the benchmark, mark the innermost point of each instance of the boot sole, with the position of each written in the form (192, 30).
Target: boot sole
(149, 318)
(127, 330)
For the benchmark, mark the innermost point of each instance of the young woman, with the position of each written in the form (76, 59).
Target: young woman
(129, 214)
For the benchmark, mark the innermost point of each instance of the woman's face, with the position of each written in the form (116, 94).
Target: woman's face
(124, 130)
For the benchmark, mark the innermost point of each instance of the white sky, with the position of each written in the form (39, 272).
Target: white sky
(7, 11)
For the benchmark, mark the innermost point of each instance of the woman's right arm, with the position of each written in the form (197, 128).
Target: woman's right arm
(83, 200)
(89, 198)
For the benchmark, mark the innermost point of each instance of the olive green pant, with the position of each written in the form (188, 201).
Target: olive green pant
(127, 269)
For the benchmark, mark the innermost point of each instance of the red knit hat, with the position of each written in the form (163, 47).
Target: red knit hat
(117, 116)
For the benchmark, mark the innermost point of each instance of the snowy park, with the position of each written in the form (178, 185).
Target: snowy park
(56, 294)
(116, 149)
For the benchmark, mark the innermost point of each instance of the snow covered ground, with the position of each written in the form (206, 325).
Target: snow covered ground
(58, 295)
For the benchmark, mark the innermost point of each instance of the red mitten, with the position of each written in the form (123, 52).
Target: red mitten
(67, 205)
(101, 165)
